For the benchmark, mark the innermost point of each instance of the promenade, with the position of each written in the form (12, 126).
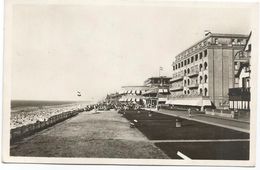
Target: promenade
(237, 125)
(103, 135)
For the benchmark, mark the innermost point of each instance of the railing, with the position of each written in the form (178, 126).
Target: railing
(193, 85)
(188, 97)
(239, 91)
(193, 73)
(176, 88)
(176, 78)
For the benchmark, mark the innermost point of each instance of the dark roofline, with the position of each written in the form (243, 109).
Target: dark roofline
(133, 86)
(159, 77)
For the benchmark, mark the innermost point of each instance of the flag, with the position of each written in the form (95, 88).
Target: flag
(78, 93)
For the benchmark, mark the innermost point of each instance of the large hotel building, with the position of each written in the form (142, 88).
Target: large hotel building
(204, 73)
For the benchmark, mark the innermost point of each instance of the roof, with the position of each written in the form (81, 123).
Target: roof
(248, 38)
(215, 35)
(156, 90)
(159, 77)
(134, 86)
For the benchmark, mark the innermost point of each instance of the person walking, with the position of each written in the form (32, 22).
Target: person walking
(189, 112)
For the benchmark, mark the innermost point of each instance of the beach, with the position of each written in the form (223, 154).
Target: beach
(29, 112)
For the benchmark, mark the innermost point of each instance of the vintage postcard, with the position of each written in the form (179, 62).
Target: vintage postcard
(130, 83)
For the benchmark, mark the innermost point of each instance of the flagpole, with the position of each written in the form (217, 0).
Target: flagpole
(160, 69)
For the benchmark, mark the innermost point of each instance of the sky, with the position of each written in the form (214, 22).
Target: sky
(96, 49)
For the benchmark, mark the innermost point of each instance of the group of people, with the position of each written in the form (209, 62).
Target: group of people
(29, 115)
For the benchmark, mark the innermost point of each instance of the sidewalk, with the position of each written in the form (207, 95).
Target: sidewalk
(217, 121)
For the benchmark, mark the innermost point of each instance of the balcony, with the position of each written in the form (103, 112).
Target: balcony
(193, 73)
(193, 85)
(174, 79)
(242, 56)
(239, 94)
(177, 88)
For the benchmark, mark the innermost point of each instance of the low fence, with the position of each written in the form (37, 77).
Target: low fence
(222, 113)
(27, 130)
(193, 110)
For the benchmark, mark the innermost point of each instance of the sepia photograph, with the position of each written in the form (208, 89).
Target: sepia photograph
(130, 83)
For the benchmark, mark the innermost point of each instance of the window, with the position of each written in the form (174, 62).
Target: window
(184, 82)
(236, 80)
(188, 71)
(247, 82)
(184, 91)
(200, 55)
(249, 47)
(201, 78)
(182, 64)
(196, 57)
(200, 91)
(185, 62)
(188, 91)
(206, 78)
(192, 59)
(179, 65)
(205, 92)
(184, 72)
(205, 66)
(173, 67)
(205, 53)
(236, 65)
(188, 81)
(188, 61)
(201, 67)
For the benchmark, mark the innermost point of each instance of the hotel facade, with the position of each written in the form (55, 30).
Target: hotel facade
(204, 72)
(239, 96)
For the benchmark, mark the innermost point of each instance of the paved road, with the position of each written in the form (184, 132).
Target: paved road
(104, 135)
(230, 124)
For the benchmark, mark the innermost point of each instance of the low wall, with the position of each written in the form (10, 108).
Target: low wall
(221, 113)
(26, 130)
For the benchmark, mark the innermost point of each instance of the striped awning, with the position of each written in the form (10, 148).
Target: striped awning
(189, 102)
(151, 91)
